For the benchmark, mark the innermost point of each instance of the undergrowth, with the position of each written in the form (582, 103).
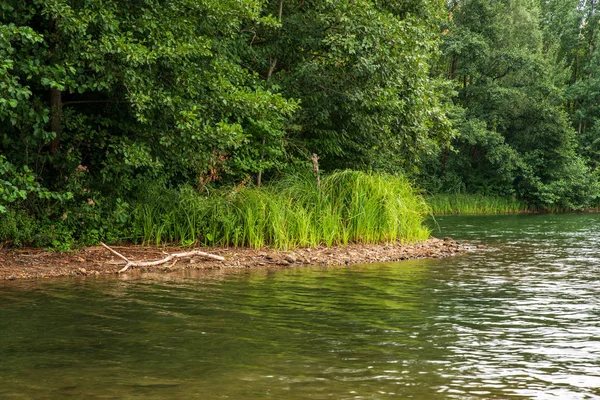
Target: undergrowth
(347, 207)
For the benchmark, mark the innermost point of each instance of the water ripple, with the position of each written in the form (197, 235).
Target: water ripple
(520, 319)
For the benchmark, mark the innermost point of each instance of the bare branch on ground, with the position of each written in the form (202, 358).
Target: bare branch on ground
(168, 258)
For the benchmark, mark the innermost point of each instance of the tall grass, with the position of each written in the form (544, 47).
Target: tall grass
(349, 206)
(474, 204)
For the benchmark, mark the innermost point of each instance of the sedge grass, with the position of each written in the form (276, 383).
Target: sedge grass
(349, 206)
(474, 204)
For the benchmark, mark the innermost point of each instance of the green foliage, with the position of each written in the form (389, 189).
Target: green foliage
(16, 185)
(361, 72)
(100, 100)
(347, 207)
(474, 204)
(573, 187)
(514, 134)
(143, 90)
(103, 100)
(479, 161)
(17, 228)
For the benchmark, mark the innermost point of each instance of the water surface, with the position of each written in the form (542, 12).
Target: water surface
(519, 319)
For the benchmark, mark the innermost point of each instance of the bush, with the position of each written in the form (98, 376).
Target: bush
(17, 228)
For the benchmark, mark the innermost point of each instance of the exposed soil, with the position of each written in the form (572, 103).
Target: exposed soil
(36, 263)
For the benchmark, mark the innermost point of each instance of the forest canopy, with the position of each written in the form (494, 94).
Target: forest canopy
(105, 103)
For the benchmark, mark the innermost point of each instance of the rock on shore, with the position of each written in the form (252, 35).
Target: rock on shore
(93, 261)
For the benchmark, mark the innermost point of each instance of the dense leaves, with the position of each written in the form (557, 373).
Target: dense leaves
(130, 90)
(511, 77)
(361, 71)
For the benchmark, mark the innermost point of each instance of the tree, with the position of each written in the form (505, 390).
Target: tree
(361, 72)
(514, 133)
(131, 90)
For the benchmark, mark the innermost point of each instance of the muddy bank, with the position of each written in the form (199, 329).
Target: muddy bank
(35, 263)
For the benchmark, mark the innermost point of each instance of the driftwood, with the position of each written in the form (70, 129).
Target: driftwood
(161, 261)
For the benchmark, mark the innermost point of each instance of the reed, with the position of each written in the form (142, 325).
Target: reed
(348, 206)
(475, 204)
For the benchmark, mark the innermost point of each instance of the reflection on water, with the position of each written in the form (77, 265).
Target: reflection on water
(520, 319)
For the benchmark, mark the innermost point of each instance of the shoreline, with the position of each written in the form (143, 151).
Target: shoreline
(18, 264)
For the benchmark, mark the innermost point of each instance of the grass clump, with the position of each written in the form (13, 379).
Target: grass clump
(349, 206)
(474, 204)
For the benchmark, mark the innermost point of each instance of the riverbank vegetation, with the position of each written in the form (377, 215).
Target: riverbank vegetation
(347, 207)
(115, 116)
(441, 204)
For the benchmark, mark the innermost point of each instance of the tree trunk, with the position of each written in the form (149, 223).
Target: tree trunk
(273, 64)
(444, 161)
(453, 67)
(55, 118)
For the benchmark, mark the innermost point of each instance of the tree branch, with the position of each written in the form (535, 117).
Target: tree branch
(163, 260)
(65, 103)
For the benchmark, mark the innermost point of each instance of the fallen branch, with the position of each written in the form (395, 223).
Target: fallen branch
(161, 261)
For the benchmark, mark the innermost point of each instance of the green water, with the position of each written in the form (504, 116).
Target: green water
(519, 319)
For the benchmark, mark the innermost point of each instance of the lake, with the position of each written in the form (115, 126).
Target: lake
(518, 319)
